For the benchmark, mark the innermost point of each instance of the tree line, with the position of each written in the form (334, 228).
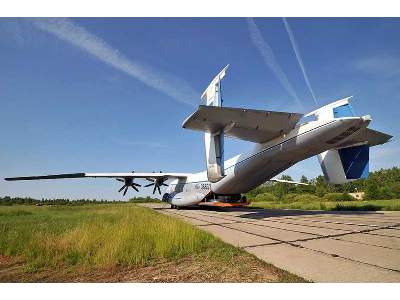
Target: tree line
(381, 184)
(7, 200)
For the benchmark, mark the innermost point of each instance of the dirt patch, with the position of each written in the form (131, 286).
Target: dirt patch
(241, 268)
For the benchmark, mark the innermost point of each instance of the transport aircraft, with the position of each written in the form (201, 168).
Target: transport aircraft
(340, 139)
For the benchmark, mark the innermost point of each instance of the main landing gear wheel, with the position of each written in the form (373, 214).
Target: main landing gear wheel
(174, 206)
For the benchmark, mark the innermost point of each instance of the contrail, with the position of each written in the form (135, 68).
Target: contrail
(270, 60)
(298, 56)
(68, 31)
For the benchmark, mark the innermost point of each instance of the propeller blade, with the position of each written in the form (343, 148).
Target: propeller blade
(164, 184)
(159, 190)
(154, 190)
(150, 184)
(135, 188)
(126, 189)
(119, 179)
(119, 191)
(136, 184)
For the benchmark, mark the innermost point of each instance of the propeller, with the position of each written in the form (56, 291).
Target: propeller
(157, 182)
(128, 182)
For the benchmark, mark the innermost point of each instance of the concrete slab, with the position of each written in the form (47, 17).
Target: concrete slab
(366, 220)
(323, 224)
(273, 233)
(206, 219)
(301, 228)
(336, 226)
(382, 241)
(321, 268)
(237, 238)
(387, 232)
(382, 257)
(192, 220)
(302, 242)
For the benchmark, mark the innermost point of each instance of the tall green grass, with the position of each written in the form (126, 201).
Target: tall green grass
(97, 235)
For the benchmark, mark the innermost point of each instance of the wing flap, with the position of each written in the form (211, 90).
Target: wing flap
(246, 124)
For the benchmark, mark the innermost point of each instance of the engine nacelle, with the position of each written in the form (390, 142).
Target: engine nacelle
(185, 198)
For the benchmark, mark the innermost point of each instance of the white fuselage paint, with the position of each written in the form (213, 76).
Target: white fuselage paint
(247, 171)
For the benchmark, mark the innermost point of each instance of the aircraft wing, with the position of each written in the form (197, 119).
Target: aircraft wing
(367, 136)
(246, 124)
(133, 175)
(157, 179)
(288, 181)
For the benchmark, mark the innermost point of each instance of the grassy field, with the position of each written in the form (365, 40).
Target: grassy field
(121, 242)
(371, 205)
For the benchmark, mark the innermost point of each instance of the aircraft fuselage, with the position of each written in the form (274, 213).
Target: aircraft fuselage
(247, 171)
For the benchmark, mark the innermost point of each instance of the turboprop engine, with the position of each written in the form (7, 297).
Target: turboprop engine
(184, 199)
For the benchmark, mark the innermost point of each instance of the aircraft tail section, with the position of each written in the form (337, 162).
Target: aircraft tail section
(346, 164)
(214, 141)
(348, 160)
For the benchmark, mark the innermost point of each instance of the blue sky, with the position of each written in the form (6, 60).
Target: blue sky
(109, 94)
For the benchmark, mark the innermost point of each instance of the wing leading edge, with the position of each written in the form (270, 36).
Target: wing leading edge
(102, 175)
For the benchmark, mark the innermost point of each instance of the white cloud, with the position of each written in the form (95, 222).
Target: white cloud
(379, 65)
(68, 31)
(270, 60)
(299, 59)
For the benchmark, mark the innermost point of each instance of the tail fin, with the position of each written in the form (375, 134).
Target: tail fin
(345, 164)
(214, 142)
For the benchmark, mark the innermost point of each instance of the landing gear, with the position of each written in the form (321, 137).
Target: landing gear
(174, 206)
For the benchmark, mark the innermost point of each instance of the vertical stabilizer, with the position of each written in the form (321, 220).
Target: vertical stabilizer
(214, 141)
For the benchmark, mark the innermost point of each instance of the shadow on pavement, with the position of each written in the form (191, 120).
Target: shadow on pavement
(260, 213)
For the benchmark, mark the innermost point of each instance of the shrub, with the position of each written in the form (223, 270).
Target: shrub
(386, 193)
(265, 197)
(372, 191)
(320, 191)
(306, 198)
(289, 198)
(338, 197)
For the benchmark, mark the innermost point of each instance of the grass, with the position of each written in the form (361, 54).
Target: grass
(69, 241)
(369, 205)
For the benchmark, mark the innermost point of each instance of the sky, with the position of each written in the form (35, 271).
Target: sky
(110, 94)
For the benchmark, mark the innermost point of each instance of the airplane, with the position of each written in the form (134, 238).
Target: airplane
(339, 138)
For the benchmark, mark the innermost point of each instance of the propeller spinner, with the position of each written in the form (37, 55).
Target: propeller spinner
(158, 182)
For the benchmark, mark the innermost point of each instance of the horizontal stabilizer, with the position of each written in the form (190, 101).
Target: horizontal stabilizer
(367, 136)
(252, 125)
